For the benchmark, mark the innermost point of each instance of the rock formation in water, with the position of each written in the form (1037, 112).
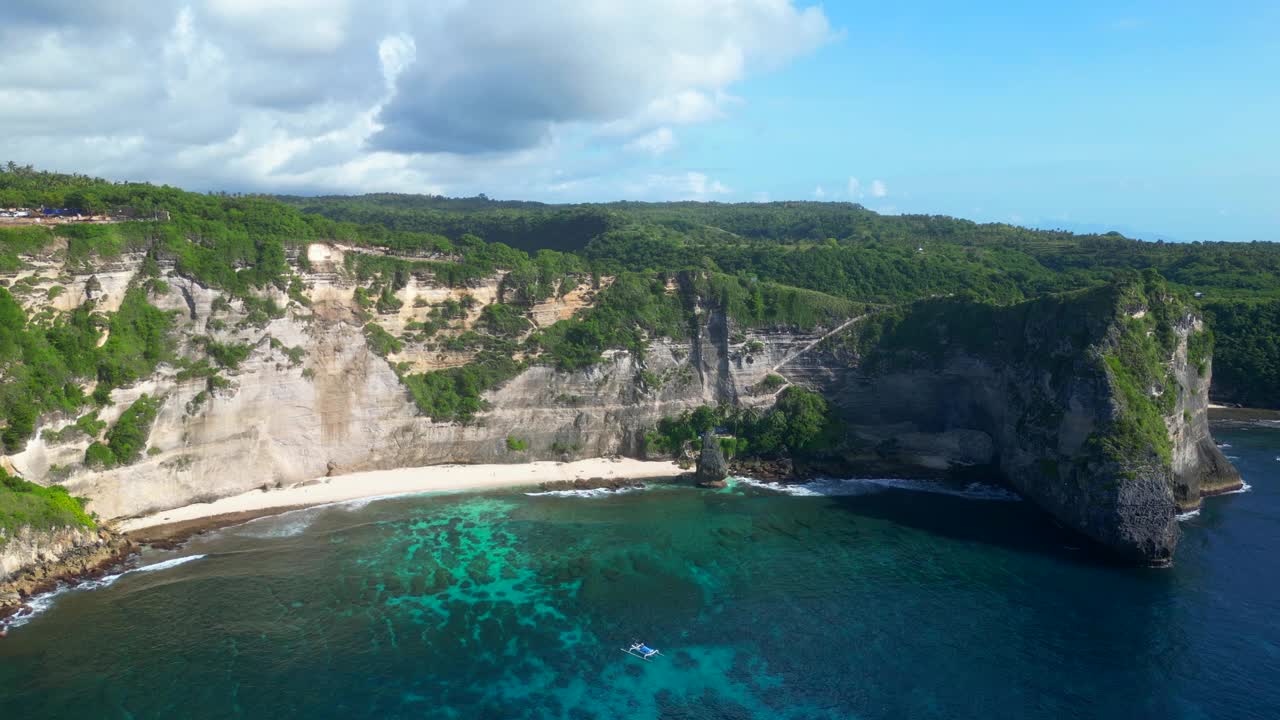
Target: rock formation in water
(712, 468)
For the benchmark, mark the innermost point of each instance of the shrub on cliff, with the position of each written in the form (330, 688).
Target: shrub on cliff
(455, 394)
(800, 424)
(26, 504)
(127, 437)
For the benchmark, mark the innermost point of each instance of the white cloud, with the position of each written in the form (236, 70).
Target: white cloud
(854, 188)
(878, 189)
(819, 193)
(655, 142)
(291, 26)
(690, 185)
(333, 95)
(699, 184)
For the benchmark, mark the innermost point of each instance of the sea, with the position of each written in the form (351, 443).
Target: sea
(860, 598)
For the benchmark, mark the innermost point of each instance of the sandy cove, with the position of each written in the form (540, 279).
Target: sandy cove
(389, 483)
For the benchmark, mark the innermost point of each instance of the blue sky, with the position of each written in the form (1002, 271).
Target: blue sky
(1157, 119)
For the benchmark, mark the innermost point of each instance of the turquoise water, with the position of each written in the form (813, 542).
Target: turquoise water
(879, 602)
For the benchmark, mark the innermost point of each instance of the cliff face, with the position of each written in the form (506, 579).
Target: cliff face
(1091, 405)
(35, 560)
(340, 408)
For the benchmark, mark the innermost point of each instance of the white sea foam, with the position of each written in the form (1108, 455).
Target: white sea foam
(42, 602)
(288, 524)
(1189, 514)
(1244, 488)
(292, 523)
(588, 492)
(1223, 446)
(862, 486)
(166, 564)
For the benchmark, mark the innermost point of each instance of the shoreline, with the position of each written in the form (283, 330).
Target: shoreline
(1228, 414)
(177, 524)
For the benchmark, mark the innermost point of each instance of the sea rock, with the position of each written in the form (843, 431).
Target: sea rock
(712, 468)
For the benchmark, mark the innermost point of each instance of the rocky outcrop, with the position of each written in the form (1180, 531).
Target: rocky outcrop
(33, 561)
(712, 469)
(1092, 405)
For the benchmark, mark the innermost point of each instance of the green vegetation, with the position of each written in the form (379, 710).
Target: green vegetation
(45, 360)
(656, 267)
(799, 425)
(1246, 352)
(26, 504)
(454, 395)
(1136, 359)
(515, 444)
(139, 340)
(504, 320)
(127, 438)
(227, 355)
(772, 382)
(846, 251)
(633, 310)
(564, 448)
(380, 341)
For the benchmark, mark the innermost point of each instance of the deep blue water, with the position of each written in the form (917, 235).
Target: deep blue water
(882, 603)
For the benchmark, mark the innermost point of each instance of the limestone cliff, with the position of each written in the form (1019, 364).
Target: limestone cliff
(312, 397)
(1092, 405)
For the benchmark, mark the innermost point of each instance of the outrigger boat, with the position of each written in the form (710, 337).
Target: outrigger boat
(640, 650)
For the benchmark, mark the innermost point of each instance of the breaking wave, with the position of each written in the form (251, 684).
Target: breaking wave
(42, 602)
(589, 492)
(288, 524)
(862, 486)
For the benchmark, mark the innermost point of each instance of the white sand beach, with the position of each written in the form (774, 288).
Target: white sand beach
(407, 481)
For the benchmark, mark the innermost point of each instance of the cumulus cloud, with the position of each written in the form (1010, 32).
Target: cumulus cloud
(878, 189)
(335, 95)
(855, 188)
(819, 193)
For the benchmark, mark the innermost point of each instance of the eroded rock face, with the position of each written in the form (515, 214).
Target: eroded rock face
(1034, 402)
(1035, 395)
(342, 409)
(34, 561)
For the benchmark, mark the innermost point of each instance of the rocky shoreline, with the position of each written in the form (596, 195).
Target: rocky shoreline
(87, 562)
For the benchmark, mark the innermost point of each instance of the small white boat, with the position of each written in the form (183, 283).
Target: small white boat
(640, 650)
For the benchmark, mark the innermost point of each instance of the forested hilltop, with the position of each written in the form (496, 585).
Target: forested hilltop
(845, 250)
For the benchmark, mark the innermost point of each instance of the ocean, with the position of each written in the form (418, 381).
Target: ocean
(839, 599)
